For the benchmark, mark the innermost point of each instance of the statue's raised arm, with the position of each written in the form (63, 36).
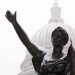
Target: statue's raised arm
(22, 35)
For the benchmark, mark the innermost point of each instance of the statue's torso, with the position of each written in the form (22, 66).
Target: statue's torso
(44, 65)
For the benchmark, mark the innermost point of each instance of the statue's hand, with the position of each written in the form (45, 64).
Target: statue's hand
(11, 17)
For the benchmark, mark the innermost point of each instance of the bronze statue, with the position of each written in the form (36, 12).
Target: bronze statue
(55, 65)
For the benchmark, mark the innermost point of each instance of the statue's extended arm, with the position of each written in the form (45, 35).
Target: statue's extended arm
(22, 35)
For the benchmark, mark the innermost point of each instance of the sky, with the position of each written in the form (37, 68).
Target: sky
(31, 15)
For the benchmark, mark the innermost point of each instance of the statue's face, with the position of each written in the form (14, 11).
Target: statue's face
(59, 37)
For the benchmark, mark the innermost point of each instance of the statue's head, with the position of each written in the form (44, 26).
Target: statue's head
(59, 37)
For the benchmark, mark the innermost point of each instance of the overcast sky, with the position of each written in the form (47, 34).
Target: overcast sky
(31, 15)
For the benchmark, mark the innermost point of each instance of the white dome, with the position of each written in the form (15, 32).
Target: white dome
(43, 38)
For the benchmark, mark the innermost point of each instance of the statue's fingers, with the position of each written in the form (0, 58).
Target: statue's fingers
(8, 12)
(15, 14)
(7, 16)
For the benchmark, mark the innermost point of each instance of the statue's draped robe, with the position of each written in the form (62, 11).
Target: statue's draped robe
(67, 66)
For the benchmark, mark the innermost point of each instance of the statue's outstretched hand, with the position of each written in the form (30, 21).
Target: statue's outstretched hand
(11, 17)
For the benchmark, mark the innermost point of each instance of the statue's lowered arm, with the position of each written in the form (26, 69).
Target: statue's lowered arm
(22, 35)
(71, 59)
